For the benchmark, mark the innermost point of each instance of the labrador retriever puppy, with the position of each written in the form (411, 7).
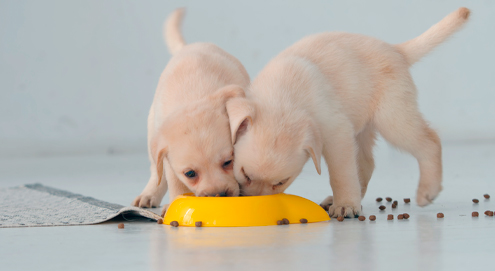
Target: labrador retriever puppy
(189, 137)
(328, 95)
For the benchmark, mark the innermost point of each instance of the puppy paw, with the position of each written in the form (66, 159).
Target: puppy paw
(344, 210)
(326, 203)
(426, 194)
(164, 209)
(147, 201)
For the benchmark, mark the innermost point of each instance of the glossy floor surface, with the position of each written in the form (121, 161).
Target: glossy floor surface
(424, 242)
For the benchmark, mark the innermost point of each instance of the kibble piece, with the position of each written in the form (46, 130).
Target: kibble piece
(159, 221)
(490, 213)
(120, 226)
(303, 220)
(400, 217)
(372, 217)
(362, 218)
(198, 223)
(340, 218)
(285, 221)
(389, 199)
(395, 202)
(476, 200)
(486, 196)
(440, 215)
(407, 200)
(486, 212)
(406, 215)
(382, 207)
(390, 217)
(174, 224)
(379, 199)
(394, 206)
(280, 222)
(475, 214)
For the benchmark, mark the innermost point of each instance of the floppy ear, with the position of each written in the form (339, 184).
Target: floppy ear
(158, 153)
(313, 145)
(228, 92)
(241, 115)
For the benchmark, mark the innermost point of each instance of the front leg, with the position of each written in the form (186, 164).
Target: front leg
(176, 187)
(339, 151)
(153, 193)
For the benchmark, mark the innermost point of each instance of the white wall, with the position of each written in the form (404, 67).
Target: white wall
(79, 76)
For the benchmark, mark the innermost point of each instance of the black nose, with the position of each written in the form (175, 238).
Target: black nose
(223, 194)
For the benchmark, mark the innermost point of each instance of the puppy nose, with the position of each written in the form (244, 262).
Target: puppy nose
(223, 194)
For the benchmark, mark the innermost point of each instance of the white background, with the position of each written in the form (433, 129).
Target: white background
(78, 77)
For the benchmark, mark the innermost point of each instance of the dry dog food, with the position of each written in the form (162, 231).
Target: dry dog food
(486, 196)
(372, 217)
(379, 199)
(340, 218)
(303, 220)
(280, 222)
(362, 218)
(390, 217)
(440, 215)
(476, 200)
(389, 199)
(395, 202)
(486, 212)
(407, 200)
(120, 226)
(489, 213)
(285, 221)
(159, 221)
(400, 217)
(394, 206)
(174, 224)
(475, 214)
(382, 207)
(406, 215)
(198, 223)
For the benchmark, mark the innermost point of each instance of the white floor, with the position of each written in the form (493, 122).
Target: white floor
(456, 242)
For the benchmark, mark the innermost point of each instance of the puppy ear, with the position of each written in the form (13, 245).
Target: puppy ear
(241, 115)
(314, 145)
(158, 153)
(228, 92)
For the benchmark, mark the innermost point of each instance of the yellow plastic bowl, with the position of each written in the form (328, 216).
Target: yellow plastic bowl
(242, 211)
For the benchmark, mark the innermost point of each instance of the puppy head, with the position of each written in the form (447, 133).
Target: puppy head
(270, 149)
(195, 141)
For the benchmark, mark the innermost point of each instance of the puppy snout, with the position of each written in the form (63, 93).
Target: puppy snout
(220, 194)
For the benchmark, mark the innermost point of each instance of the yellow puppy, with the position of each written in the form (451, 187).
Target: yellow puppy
(189, 143)
(327, 95)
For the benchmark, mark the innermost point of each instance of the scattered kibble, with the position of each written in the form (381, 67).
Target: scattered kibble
(486, 196)
(379, 199)
(120, 226)
(475, 214)
(340, 218)
(389, 199)
(159, 221)
(400, 217)
(198, 223)
(440, 215)
(406, 215)
(394, 206)
(303, 220)
(476, 200)
(390, 217)
(280, 222)
(490, 213)
(486, 212)
(407, 200)
(362, 218)
(372, 217)
(174, 224)
(382, 207)
(285, 221)
(395, 202)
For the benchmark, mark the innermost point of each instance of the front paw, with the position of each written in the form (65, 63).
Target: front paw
(147, 201)
(345, 210)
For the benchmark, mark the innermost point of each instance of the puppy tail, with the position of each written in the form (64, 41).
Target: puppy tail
(415, 49)
(172, 31)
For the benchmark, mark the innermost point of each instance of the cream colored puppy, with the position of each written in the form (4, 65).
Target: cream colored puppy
(327, 95)
(189, 142)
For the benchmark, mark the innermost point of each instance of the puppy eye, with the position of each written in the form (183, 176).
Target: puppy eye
(227, 164)
(190, 174)
(279, 184)
(275, 186)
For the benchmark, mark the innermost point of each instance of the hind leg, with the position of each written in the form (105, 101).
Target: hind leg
(366, 164)
(400, 123)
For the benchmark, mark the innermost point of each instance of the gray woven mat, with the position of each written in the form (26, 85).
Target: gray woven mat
(35, 205)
